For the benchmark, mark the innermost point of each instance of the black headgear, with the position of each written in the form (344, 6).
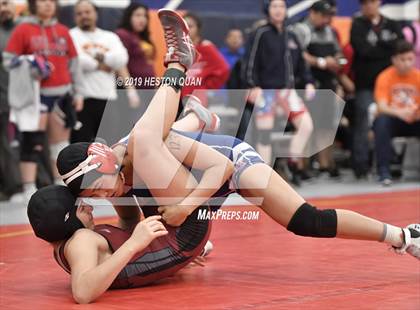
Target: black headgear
(52, 213)
(80, 164)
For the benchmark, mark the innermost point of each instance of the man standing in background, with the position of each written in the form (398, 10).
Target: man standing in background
(9, 172)
(322, 52)
(101, 54)
(373, 37)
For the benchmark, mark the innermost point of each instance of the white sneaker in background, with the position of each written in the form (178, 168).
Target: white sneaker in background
(24, 197)
(17, 198)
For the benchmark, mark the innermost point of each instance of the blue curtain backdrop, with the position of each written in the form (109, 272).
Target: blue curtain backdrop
(251, 7)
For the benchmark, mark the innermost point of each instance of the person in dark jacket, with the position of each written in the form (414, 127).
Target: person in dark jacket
(274, 61)
(9, 176)
(323, 53)
(373, 37)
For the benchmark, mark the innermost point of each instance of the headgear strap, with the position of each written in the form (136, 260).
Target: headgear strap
(100, 158)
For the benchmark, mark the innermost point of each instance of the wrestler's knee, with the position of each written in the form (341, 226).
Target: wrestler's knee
(312, 222)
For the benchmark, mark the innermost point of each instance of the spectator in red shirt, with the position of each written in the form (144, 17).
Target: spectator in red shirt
(211, 67)
(43, 36)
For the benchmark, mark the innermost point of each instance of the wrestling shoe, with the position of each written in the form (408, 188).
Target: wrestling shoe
(207, 249)
(411, 241)
(209, 121)
(178, 42)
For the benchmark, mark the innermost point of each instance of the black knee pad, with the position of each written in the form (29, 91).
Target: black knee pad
(174, 78)
(31, 146)
(312, 222)
(264, 137)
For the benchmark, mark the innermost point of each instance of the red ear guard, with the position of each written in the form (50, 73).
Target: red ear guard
(100, 158)
(104, 157)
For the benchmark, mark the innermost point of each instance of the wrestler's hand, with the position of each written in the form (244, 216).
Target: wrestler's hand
(198, 261)
(146, 231)
(174, 215)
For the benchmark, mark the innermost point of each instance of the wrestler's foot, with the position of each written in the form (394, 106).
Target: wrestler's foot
(207, 249)
(178, 42)
(209, 121)
(411, 241)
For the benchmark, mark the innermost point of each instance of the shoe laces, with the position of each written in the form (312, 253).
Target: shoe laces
(171, 39)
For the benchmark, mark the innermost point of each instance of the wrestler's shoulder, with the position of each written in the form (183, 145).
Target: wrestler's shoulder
(86, 236)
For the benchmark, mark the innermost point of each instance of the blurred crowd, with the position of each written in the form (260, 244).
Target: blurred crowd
(55, 83)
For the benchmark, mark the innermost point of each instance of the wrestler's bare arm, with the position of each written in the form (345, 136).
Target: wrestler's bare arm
(90, 277)
(167, 179)
(216, 171)
(217, 167)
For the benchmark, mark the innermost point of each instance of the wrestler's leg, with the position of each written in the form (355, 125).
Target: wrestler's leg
(162, 110)
(189, 123)
(166, 178)
(152, 161)
(207, 120)
(281, 202)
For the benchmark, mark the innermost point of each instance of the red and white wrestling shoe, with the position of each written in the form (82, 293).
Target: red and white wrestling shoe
(178, 42)
(411, 241)
(209, 121)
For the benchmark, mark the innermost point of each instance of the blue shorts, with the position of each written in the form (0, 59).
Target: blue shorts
(49, 102)
(239, 152)
(284, 102)
(267, 103)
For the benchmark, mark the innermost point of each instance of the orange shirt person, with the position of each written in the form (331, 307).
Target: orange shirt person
(397, 94)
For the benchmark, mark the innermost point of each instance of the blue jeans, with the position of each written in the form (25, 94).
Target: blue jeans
(360, 145)
(386, 127)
